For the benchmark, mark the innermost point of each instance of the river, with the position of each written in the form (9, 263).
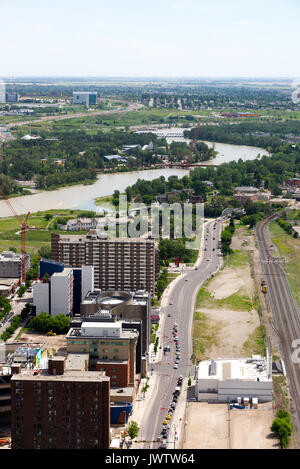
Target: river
(83, 196)
(226, 151)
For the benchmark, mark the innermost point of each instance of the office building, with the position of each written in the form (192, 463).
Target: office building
(64, 291)
(49, 267)
(11, 264)
(56, 295)
(88, 98)
(126, 264)
(61, 407)
(129, 307)
(11, 97)
(109, 347)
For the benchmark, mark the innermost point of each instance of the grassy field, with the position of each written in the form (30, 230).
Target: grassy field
(237, 259)
(255, 343)
(237, 301)
(205, 336)
(289, 248)
(39, 237)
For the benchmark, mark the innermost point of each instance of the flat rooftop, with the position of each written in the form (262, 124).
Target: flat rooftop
(71, 376)
(245, 369)
(76, 361)
(126, 334)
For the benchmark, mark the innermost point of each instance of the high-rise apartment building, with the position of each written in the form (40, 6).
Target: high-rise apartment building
(127, 264)
(60, 408)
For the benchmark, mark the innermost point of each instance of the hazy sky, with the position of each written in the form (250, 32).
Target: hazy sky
(196, 38)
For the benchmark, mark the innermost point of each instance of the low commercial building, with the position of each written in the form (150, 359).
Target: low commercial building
(8, 286)
(226, 380)
(11, 264)
(244, 193)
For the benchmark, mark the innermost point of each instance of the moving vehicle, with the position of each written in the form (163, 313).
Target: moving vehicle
(175, 365)
(264, 287)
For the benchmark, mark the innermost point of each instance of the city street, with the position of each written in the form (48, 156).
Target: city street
(179, 309)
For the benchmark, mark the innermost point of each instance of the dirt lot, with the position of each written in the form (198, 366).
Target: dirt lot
(230, 324)
(57, 343)
(229, 281)
(232, 330)
(212, 426)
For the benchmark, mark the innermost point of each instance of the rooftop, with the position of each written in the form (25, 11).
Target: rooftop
(246, 369)
(71, 376)
(246, 189)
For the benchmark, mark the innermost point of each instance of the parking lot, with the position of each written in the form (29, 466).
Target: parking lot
(213, 426)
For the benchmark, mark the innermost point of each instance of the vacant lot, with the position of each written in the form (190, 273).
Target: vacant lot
(226, 322)
(213, 426)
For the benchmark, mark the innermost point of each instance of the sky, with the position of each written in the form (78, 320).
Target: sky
(148, 38)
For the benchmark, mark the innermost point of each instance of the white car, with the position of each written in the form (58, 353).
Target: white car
(175, 365)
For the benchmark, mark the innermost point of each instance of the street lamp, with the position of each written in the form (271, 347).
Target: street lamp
(175, 433)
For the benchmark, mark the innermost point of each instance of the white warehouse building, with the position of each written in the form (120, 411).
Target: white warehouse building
(229, 379)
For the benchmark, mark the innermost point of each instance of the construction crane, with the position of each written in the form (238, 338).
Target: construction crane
(24, 227)
(187, 161)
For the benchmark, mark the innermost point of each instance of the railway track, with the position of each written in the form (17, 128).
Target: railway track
(285, 315)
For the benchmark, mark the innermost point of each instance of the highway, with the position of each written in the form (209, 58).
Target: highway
(285, 314)
(181, 303)
(131, 107)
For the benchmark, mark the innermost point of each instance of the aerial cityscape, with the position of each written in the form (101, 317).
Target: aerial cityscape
(149, 229)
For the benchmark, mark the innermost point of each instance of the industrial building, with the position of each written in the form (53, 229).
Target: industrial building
(226, 380)
(60, 408)
(126, 264)
(87, 98)
(11, 264)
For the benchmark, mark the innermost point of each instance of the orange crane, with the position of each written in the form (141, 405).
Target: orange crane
(187, 161)
(24, 227)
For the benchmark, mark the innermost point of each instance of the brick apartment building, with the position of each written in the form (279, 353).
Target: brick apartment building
(60, 408)
(127, 264)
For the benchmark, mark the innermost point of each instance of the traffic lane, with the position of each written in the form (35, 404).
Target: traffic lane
(181, 299)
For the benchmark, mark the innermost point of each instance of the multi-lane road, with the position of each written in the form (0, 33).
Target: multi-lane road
(180, 309)
(285, 314)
